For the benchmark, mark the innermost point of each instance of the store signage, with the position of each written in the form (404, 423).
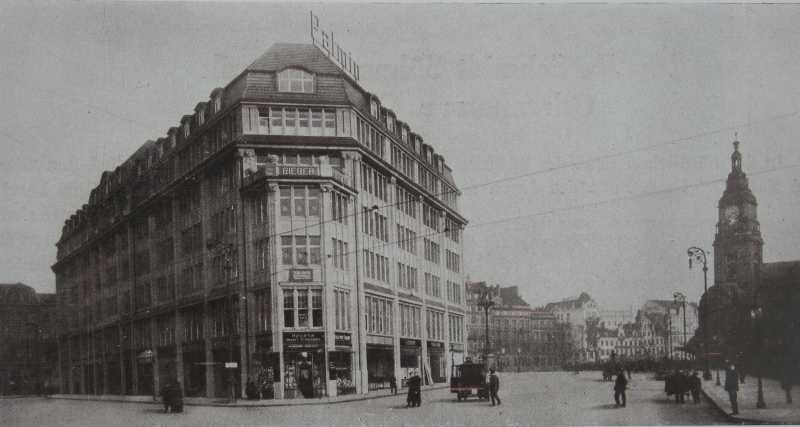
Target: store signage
(299, 170)
(410, 343)
(301, 275)
(434, 344)
(325, 42)
(343, 340)
(302, 340)
(231, 365)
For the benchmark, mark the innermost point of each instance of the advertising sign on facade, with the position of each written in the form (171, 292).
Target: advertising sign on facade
(302, 340)
(343, 340)
(299, 170)
(325, 42)
(301, 275)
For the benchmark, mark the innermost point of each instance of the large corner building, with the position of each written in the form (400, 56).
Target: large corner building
(292, 232)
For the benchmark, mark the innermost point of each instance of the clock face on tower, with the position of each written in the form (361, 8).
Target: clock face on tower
(731, 214)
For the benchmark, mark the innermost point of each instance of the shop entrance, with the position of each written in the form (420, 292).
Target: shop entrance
(437, 362)
(341, 371)
(380, 366)
(410, 359)
(304, 374)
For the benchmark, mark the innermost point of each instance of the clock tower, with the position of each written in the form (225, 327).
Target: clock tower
(737, 243)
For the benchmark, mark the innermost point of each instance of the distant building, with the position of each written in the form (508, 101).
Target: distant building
(521, 338)
(28, 356)
(576, 312)
(671, 315)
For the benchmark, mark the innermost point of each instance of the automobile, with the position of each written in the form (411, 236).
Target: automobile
(469, 379)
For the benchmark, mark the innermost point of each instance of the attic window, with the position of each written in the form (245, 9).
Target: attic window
(217, 104)
(201, 116)
(186, 130)
(373, 108)
(295, 80)
(390, 123)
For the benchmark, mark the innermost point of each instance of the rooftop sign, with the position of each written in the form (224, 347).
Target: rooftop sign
(325, 42)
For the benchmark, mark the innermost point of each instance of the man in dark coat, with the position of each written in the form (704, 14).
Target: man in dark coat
(494, 386)
(681, 386)
(619, 389)
(695, 385)
(732, 387)
(414, 390)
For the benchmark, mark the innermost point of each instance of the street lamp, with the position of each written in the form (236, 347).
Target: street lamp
(485, 302)
(756, 314)
(226, 250)
(699, 255)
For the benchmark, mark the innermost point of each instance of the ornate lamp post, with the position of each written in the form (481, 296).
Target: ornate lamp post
(485, 302)
(699, 255)
(226, 250)
(756, 314)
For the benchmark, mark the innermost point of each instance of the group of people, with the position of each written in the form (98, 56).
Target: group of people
(680, 383)
(414, 383)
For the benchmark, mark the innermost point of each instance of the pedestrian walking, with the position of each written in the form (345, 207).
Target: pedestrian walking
(494, 386)
(619, 389)
(732, 387)
(681, 385)
(695, 385)
(414, 398)
(393, 384)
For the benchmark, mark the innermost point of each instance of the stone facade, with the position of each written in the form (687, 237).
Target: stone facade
(292, 232)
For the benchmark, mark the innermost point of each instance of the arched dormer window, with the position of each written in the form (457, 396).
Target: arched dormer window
(295, 80)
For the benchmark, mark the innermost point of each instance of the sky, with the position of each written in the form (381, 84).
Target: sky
(612, 123)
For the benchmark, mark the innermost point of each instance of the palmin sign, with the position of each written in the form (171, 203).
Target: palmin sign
(326, 43)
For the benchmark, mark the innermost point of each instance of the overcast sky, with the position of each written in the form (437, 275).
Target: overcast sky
(623, 113)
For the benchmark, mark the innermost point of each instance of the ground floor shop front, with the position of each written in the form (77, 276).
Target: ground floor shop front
(305, 365)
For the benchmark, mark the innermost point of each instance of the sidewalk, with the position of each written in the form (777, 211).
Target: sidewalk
(776, 412)
(206, 401)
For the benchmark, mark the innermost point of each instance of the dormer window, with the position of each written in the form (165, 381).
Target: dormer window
(186, 129)
(404, 135)
(217, 104)
(390, 123)
(295, 80)
(373, 108)
(172, 140)
(201, 117)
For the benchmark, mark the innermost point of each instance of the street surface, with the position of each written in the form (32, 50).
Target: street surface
(543, 398)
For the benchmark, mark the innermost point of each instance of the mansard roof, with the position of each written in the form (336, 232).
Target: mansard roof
(284, 55)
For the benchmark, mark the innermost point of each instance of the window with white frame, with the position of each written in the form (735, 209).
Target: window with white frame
(456, 324)
(378, 315)
(342, 305)
(300, 250)
(299, 200)
(435, 324)
(295, 80)
(373, 108)
(302, 308)
(410, 321)
(340, 256)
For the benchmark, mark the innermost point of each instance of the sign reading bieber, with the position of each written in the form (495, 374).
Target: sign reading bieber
(325, 42)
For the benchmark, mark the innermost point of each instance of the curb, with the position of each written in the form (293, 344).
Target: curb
(251, 405)
(736, 419)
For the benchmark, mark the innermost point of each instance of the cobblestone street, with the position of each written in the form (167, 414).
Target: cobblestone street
(547, 398)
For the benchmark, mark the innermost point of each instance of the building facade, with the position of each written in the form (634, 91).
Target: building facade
(577, 312)
(27, 339)
(292, 232)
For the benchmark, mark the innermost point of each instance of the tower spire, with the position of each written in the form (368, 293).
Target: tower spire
(736, 157)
